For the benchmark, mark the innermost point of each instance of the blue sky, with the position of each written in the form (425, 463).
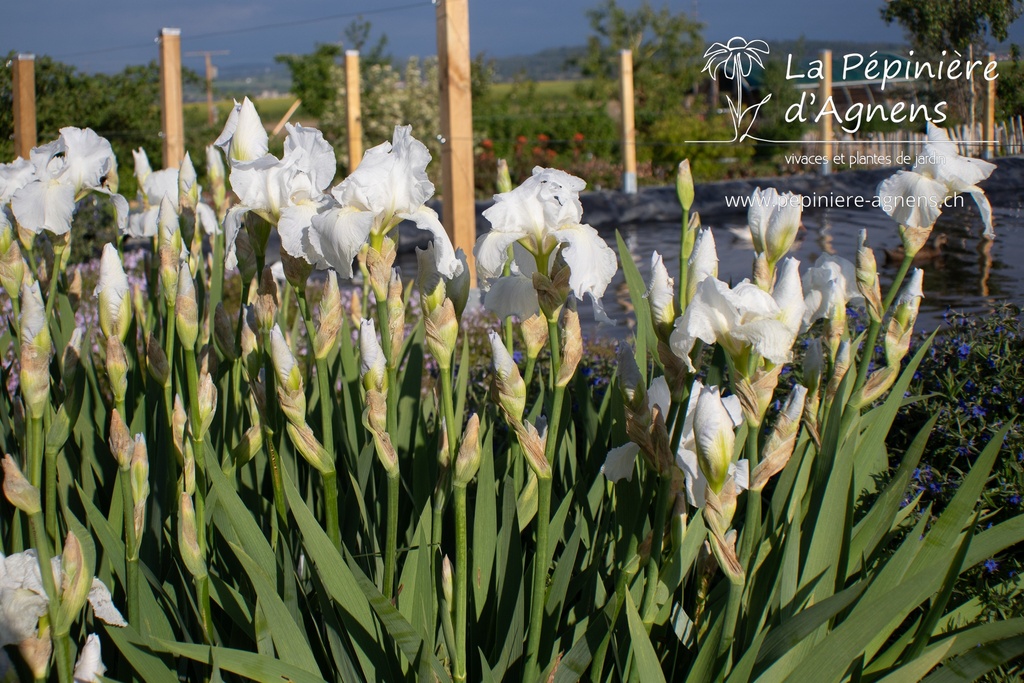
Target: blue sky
(107, 35)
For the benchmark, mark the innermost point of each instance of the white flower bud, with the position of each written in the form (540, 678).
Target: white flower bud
(660, 295)
(715, 437)
(188, 188)
(142, 167)
(509, 384)
(112, 292)
(186, 308)
(703, 262)
(373, 366)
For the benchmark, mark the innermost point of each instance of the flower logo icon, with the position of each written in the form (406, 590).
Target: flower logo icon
(735, 59)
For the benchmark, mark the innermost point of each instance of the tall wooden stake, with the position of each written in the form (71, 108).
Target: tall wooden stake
(826, 121)
(353, 115)
(628, 122)
(456, 125)
(990, 113)
(171, 115)
(24, 86)
(211, 73)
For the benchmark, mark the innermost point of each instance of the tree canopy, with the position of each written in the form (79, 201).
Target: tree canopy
(936, 25)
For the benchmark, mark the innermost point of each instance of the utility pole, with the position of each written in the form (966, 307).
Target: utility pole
(211, 73)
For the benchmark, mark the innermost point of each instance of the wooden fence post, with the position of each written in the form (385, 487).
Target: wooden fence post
(826, 121)
(989, 134)
(353, 115)
(459, 208)
(628, 122)
(171, 114)
(24, 86)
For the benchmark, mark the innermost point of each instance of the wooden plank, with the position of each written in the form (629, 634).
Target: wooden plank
(459, 208)
(287, 117)
(171, 113)
(353, 110)
(24, 86)
(990, 112)
(628, 122)
(826, 121)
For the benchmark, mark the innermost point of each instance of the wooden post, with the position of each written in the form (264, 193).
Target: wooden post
(171, 115)
(989, 134)
(211, 73)
(287, 117)
(826, 121)
(459, 208)
(24, 86)
(353, 112)
(211, 112)
(628, 122)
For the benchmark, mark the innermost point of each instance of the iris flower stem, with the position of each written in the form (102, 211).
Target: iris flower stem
(34, 446)
(445, 461)
(383, 320)
(461, 580)
(326, 423)
(197, 447)
(875, 328)
(391, 541)
(269, 425)
(683, 262)
(540, 578)
(331, 507)
(323, 380)
(171, 337)
(448, 409)
(58, 268)
(217, 281)
(531, 364)
(16, 321)
(752, 524)
(131, 552)
(661, 504)
(61, 642)
(556, 358)
(732, 612)
(50, 465)
(202, 582)
(751, 530)
(541, 560)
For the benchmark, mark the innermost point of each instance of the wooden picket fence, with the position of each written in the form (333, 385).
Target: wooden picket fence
(1009, 141)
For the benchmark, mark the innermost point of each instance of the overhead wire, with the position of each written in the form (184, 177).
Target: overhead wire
(248, 29)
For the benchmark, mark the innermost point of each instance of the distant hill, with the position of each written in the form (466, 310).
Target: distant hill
(804, 49)
(553, 64)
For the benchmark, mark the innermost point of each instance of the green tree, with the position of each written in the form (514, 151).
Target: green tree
(1010, 86)
(936, 25)
(666, 50)
(356, 36)
(311, 76)
(123, 107)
